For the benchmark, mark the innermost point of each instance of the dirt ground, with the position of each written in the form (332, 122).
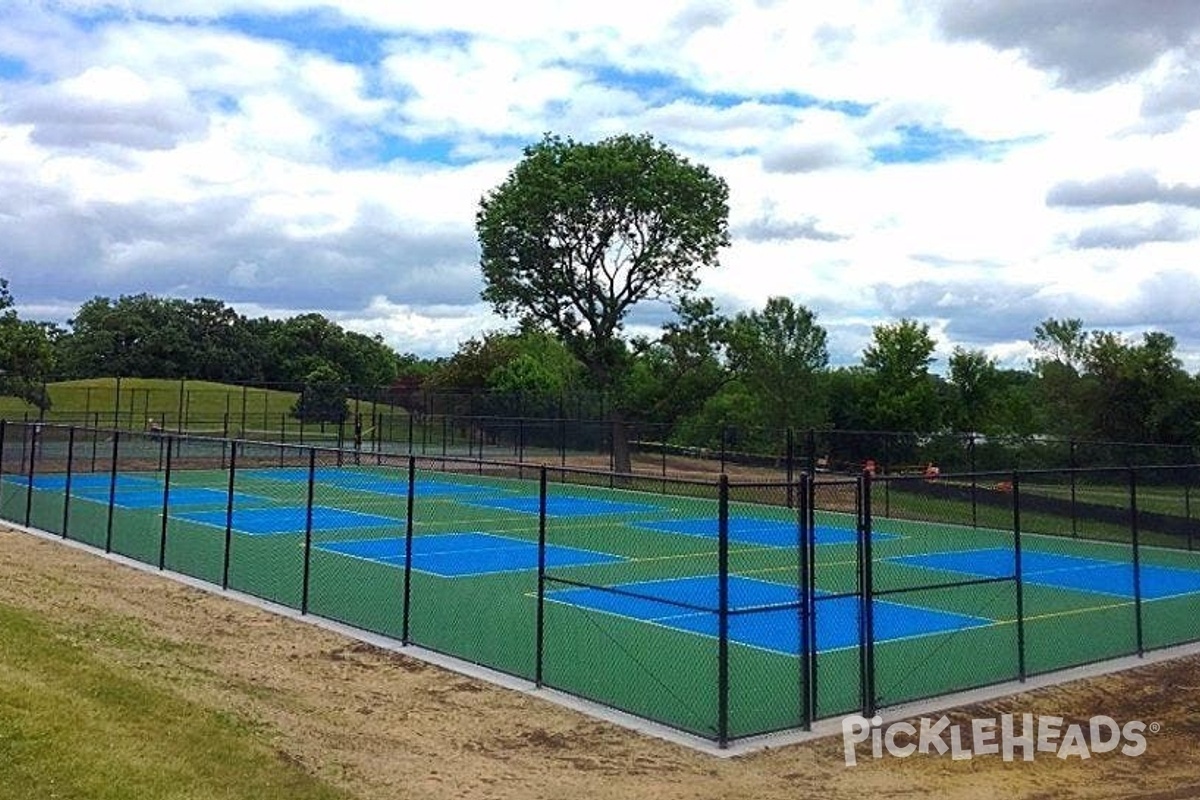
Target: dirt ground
(386, 726)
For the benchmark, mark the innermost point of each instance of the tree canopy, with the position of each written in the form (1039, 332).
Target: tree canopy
(579, 233)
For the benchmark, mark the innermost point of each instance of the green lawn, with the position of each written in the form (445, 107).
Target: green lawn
(204, 407)
(73, 726)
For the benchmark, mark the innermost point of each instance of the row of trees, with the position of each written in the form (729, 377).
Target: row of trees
(143, 336)
(766, 368)
(769, 369)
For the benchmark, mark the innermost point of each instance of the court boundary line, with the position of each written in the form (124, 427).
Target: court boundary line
(615, 559)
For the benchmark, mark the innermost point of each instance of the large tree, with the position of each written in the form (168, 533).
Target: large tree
(579, 233)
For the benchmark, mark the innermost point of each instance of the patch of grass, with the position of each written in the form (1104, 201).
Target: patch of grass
(74, 726)
(205, 407)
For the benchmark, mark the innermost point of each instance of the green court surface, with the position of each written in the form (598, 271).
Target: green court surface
(630, 580)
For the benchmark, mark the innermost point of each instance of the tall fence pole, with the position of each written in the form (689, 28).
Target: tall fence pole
(229, 516)
(117, 405)
(1018, 576)
(868, 605)
(308, 529)
(540, 643)
(66, 517)
(112, 490)
(1137, 565)
(406, 610)
(36, 428)
(807, 638)
(166, 506)
(789, 465)
(723, 610)
(3, 438)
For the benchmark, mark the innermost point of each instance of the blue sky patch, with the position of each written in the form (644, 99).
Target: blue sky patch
(921, 145)
(12, 69)
(313, 31)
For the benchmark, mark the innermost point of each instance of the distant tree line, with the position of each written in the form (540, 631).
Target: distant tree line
(764, 369)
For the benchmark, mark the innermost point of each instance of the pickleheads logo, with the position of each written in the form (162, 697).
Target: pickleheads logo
(1006, 736)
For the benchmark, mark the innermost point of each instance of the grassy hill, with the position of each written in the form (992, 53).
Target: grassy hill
(195, 406)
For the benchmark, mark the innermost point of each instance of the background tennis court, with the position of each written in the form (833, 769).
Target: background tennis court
(723, 608)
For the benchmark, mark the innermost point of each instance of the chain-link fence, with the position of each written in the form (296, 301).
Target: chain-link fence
(725, 608)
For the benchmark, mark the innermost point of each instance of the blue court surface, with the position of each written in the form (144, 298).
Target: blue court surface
(776, 626)
(88, 480)
(563, 506)
(374, 482)
(289, 519)
(457, 555)
(749, 530)
(138, 497)
(1079, 573)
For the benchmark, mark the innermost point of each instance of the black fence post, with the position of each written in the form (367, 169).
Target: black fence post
(405, 611)
(166, 506)
(3, 439)
(807, 637)
(36, 428)
(541, 579)
(117, 405)
(724, 444)
(789, 465)
(95, 441)
(1187, 505)
(229, 516)
(974, 482)
(179, 408)
(868, 604)
(66, 517)
(1074, 483)
(1018, 577)
(723, 610)
(810, 452)
(112, 490)
(1137, 565)
(308, 528)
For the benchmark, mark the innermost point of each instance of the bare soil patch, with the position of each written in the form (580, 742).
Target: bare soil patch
(386, 726)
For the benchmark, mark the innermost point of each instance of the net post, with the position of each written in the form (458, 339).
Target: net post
(405, 611)
(1137, 565)
(807, 643)
(166, 505)
(112, 490)
(541, 578)
(66, 517)
(229, 516)
(723, 610)
(1018, 577)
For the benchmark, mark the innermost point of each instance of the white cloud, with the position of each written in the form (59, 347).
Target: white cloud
(157, 146)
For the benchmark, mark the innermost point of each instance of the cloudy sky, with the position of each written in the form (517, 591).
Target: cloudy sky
(977, 165)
